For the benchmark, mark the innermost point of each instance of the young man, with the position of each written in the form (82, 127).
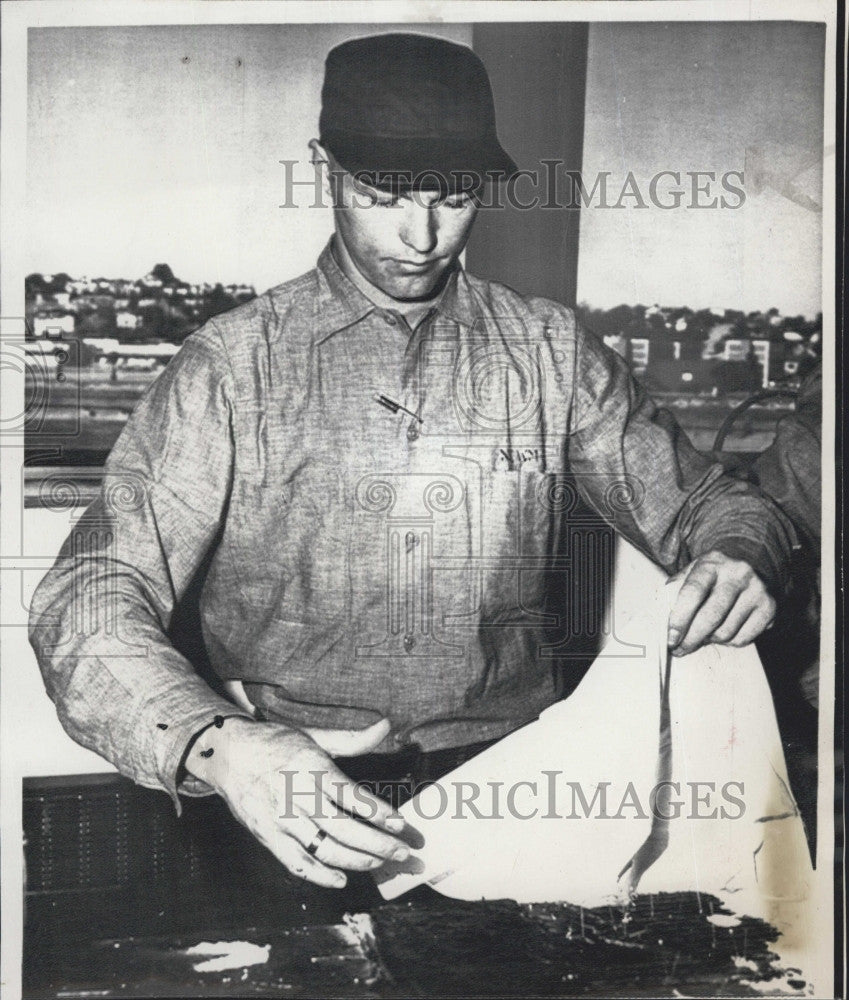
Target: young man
(373, 466)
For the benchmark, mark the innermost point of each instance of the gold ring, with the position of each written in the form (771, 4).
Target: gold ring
(312, 846)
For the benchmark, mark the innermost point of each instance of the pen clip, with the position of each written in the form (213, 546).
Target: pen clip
(394, 407)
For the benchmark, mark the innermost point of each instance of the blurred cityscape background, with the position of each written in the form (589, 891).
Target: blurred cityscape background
(94, 345)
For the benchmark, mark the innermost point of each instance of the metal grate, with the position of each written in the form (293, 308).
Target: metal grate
(106, 858)
(77, 840)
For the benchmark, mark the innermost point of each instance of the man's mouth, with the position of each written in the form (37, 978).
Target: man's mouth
(414, 267)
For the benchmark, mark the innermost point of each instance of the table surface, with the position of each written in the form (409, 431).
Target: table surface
(663, 945)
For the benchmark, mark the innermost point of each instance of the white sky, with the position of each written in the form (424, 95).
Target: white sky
(151, 144)
(163, 143)
(713, 97)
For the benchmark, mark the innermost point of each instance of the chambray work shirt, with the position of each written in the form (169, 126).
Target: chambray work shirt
(361, 562)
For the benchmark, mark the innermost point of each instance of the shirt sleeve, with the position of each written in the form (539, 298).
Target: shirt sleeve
(638, 468)
(789, 471)
(99, 618)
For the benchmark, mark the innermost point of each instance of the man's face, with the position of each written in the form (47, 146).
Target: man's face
(404, 244)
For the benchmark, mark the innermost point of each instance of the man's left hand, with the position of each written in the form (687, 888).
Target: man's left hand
(721, 600)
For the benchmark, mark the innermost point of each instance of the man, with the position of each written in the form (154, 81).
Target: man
(371, 467)
(790, 473)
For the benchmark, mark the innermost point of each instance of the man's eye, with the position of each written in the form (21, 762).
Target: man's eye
(381, 200)
(457, 202)
(372, 198)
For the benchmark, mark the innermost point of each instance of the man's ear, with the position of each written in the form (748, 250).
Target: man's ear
(318, 154)
(323, 161)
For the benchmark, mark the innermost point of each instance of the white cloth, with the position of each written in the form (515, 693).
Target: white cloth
(738, 834)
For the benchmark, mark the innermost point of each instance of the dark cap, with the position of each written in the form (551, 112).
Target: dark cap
(405, 110)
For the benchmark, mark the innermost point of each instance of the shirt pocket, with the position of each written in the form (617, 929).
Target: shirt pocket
(287, 527)
(290, 544)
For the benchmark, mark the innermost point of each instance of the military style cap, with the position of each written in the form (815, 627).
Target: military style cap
(406, 110)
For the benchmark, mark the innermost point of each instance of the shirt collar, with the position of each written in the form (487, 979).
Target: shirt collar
(341, 304)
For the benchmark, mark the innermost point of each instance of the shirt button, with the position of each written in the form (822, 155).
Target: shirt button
(412, 432)
(409, 642)
(390, 319)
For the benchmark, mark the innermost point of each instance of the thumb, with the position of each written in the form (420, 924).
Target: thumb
(350, 742)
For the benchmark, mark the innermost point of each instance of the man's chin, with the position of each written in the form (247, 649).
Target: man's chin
(416, 288)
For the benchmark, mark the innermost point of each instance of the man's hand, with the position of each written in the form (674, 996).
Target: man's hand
(721, 600)
(284, 787)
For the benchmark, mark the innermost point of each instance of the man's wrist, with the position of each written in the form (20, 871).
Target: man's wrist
(207, 751)
(772, 573)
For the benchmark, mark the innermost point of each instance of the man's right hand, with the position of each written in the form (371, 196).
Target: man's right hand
(283, 786)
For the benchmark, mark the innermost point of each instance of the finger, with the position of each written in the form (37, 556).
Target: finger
(236, 692)
(324, 848)
(353, 833)
(350, 742)
(734, 620)
(760, 619)
(294, 857)
(710, 616)
(357, 800)
(331, 852)
(692, 595)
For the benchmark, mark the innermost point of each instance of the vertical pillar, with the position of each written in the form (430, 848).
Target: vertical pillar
(538, 74)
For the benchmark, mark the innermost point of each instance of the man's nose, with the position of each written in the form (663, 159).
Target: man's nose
(418, 230)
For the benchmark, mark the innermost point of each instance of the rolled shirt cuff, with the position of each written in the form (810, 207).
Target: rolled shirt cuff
(773, 568)
(164, 728)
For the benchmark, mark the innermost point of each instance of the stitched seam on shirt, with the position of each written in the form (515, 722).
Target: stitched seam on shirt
(577, 395)
(157, 467)
(212, 326)
(161, 484)
(278, 327)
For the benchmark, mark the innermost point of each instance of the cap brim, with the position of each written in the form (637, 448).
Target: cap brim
(420, 164)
